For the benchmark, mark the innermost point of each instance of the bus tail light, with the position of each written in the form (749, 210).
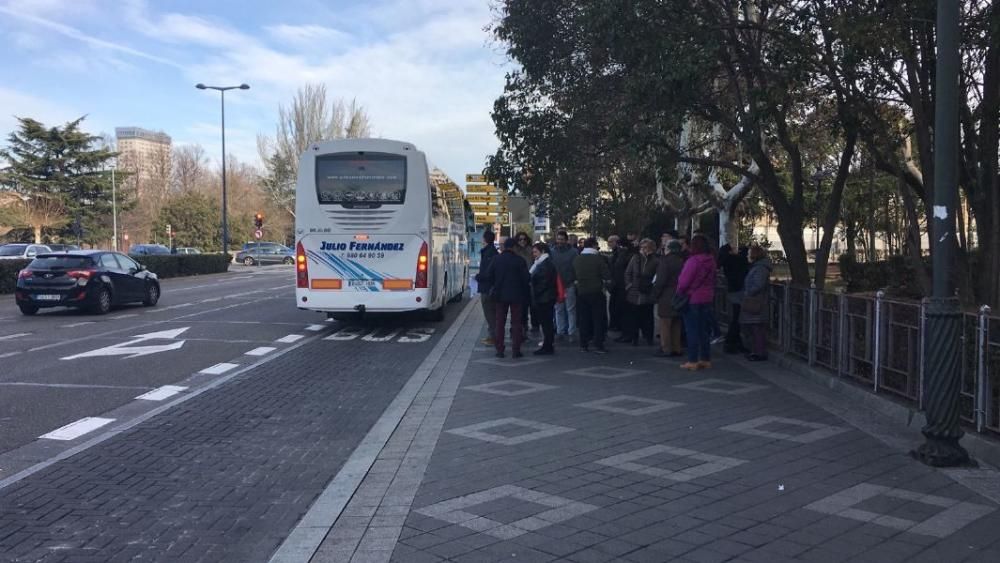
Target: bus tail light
(301, 267)
(421, 280)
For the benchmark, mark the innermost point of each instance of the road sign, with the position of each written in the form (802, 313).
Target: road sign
(475, 179)
(486, 198)
(258, 234)
(481, 189)
(129, 350)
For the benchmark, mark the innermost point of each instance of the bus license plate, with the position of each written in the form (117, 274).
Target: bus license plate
(362, 283)
(48, 297)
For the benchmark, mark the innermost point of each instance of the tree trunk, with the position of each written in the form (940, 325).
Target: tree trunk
(832, 215)
(915, 252)
(38, 233)
(790, 233)
(851, 234)
(728, 227)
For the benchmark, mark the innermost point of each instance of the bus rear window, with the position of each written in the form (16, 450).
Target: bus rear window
(361, 180)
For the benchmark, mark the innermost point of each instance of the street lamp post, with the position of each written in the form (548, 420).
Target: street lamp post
(222, 91)
(114, 210)
(944, 315)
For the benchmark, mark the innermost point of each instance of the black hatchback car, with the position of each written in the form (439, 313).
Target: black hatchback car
(95, 280)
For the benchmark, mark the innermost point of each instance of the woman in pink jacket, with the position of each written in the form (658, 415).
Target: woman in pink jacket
(697, 282)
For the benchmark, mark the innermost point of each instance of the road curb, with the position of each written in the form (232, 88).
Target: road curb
(305, 539)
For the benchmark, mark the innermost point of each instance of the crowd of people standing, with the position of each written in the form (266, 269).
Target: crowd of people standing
(574, 295)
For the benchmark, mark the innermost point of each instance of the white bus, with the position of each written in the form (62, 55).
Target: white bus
(375, 231)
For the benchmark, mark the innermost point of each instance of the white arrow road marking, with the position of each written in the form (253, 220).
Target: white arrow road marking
(128, 349)
(161, 393)
(76, 429)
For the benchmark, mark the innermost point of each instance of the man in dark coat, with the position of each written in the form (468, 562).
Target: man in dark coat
(592, 275)
(511, 291)
(486, 256)
(735, 267)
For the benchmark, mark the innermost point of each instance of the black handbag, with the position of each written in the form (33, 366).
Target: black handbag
(680, 302)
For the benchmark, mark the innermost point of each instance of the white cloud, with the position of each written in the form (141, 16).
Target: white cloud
(315, 37)
(19, 104)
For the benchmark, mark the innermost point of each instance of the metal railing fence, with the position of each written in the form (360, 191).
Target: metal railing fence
(879, 342)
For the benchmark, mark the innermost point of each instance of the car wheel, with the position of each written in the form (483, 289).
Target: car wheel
(288, 260)
(27, 309)
(248, 261)
(152, 295)
(102, 301)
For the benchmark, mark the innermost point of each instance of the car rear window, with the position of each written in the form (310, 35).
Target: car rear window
(61, 262)
(12, 249)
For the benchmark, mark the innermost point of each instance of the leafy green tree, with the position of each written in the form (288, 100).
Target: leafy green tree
(194, 218)
(65, 175)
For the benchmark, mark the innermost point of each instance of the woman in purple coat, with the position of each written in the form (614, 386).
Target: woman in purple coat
(697, 282)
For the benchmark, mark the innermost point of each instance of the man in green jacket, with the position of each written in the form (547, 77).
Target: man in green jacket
(592, 275)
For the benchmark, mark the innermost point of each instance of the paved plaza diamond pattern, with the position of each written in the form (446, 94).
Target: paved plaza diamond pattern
(608, 405)
(605, 372)
(817, 431)
(457, 511)
(722, 386)
(509, 363)
(955, 514)
(540, 430)
(710, 463)
(510, 387)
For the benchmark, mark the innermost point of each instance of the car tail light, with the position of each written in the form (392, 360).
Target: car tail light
(80, 274)
(421, 280)
(301, 267)
(24, 274)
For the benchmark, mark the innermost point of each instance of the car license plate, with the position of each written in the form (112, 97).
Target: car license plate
(48, 297)
(361, 283)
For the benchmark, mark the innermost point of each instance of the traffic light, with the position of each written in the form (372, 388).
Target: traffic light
(258, 220)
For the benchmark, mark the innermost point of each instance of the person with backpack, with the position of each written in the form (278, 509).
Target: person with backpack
(544, 294)
(639, 292)
(485, 286)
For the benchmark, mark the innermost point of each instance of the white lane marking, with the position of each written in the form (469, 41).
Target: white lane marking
(370, 337)
(13, 336)
(290, 338)
(126, 316)
(262, 351)
(125, 348)
(81, 323)
(218, 369)
(211, 300)
(9, 354)
(315, 328)
(70, 385)
(161, 393)
(76, 429)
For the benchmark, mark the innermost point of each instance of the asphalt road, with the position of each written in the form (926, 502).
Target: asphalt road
(151, 433)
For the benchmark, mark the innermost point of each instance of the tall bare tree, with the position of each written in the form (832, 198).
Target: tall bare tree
(312, 116)
(190, 168)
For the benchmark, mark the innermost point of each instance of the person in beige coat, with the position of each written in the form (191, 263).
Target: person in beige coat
(667, 271)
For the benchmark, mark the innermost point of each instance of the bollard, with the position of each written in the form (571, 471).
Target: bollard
(877, 355)
(786, 317)
(922, 359)
(983, 391)
(811, 352)
(843, 342)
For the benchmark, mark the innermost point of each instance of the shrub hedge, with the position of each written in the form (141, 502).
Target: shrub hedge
(177, 265)
(172, 266)
(894, 275)
(8, 274)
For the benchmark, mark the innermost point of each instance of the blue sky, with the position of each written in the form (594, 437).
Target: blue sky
(426, 70)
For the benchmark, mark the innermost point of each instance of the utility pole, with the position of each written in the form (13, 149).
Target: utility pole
(944, 315)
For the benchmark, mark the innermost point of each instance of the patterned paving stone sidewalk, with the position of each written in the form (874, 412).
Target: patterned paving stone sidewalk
(627, 458)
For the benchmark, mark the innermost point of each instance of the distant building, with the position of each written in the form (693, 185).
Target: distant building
(144, 153)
